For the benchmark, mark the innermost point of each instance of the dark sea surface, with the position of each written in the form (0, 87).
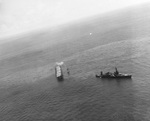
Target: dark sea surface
(81, 96)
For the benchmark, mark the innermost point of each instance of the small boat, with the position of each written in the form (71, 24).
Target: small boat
(59, 72)
(113, 75)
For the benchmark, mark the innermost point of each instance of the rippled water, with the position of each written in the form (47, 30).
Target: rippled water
(81, 96)
(112, 99)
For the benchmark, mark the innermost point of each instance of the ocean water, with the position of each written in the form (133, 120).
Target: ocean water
(81, 96)
(113, 100)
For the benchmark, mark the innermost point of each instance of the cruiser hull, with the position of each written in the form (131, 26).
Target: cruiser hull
(114, 77)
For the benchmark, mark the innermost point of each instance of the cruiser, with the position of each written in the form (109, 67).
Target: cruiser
(116, 74)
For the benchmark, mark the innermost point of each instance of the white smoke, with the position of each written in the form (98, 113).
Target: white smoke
(59, 63)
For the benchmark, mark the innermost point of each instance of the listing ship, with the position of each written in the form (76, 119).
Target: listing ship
(59, 72)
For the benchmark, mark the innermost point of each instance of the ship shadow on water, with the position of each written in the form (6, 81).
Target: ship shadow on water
(60, 80)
